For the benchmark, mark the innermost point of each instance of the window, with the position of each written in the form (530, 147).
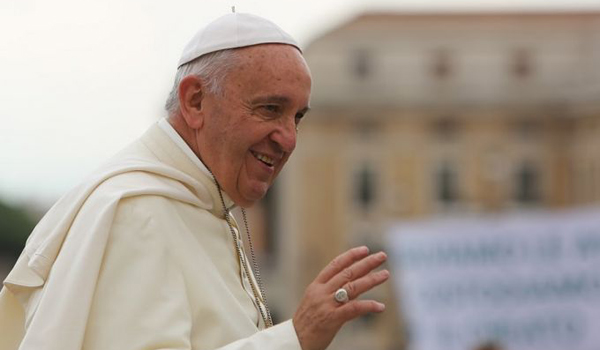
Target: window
(447, 184)
(361, 64)
(521, 65)
(271, 215)
(441, 64)
(366, 128)
(527, 181)
(446, 128)
(365, 187)
(528, 128)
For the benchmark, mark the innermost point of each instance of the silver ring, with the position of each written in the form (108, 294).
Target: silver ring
(341, 296)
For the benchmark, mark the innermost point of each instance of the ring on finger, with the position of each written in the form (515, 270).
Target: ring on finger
(341, 296)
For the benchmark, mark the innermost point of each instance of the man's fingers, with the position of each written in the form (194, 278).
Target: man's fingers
(357, 270)
(341, 262)
(363, 284)
(358, 308)
(320, 314)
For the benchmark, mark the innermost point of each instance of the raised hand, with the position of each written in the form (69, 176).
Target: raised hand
(320, 316)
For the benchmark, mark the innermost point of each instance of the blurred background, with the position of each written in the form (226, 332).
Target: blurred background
(421, 111)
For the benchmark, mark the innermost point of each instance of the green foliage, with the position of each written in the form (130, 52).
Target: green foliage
(15, 227)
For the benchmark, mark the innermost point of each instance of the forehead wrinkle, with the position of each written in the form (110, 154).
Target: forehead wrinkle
(255, 57)
(271, 98)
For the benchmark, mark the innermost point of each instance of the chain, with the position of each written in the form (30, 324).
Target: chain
(256, 269)
(259, 293)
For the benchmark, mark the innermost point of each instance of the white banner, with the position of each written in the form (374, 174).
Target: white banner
(526, 282)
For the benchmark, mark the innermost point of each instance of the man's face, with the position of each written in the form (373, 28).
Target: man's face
(249, 131)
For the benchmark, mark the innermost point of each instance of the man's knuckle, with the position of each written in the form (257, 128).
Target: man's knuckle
(348, 274)
(351, 288)
(335, 263)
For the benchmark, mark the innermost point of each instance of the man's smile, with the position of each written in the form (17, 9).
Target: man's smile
(263, 158)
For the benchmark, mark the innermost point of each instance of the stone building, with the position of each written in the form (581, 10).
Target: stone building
(416, 115)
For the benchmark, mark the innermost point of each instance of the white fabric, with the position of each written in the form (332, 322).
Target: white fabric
(136, 257)
(180, 142)
(231, 31)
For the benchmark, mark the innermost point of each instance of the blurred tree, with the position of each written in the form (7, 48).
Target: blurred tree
(15, 227)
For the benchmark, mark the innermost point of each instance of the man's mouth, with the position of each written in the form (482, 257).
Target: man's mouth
(263, 158)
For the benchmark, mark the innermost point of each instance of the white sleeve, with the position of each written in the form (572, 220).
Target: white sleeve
(280, 337)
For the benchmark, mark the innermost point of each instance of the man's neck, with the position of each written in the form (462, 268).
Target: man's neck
(187, 134)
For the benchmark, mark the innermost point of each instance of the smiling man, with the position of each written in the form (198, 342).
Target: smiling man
(246, 132)
(145, 253)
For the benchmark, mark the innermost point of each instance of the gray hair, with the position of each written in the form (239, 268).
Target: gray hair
(211, 68)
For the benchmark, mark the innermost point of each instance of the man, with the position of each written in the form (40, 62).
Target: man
(145, 254)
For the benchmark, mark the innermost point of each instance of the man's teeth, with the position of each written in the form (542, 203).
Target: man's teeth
(265, 159)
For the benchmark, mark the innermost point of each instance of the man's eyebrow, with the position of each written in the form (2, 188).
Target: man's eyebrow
(277, 99)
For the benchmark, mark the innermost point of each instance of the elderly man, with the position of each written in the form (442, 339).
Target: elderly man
(145, 253)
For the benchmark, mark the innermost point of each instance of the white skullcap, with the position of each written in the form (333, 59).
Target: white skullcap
(232, 31)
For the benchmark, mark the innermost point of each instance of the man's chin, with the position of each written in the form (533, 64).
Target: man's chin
(253, 193)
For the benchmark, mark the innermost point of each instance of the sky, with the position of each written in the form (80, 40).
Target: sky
(81, 79)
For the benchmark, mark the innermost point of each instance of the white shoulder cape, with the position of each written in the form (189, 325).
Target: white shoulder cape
(25, 284)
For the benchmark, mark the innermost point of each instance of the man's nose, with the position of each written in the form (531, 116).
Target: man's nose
(285, 135)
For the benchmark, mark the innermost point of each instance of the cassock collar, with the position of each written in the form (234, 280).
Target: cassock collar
(183, 146)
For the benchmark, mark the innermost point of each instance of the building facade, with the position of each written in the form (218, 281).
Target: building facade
(415, 115)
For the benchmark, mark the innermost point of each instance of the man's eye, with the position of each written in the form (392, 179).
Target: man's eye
(271, 108)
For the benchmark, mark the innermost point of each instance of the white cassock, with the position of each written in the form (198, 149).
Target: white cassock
(138, 256)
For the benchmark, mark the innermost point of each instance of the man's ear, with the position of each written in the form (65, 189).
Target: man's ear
(191, 96)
